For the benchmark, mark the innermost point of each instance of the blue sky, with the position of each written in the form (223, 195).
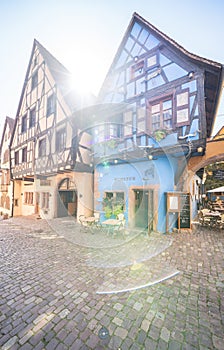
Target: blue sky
(84, 35)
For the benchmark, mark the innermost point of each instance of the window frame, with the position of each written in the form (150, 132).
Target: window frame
(42, 150)
(24, 123)
(34, 80)
(51, 105)
(160, 100)
(182, 107)
(60, 140)
(28, 198)
(32, 120)
(140, 119)
(137, 67)
(17, 157)
(128, 124)
(112, 200)
(24, 155)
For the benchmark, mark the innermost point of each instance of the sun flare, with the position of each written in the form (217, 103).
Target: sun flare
(87, 77)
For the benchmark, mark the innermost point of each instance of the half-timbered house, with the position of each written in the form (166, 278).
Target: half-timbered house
(6, 185)
(50, 168)
(156, 109)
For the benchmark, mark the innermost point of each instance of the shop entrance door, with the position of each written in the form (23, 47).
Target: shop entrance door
(67, 198)
(144, 209)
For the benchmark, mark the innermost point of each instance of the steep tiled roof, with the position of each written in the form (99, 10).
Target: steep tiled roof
(10, 122)
(203, 60)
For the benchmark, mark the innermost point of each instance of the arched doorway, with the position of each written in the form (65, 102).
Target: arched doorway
(67, 198)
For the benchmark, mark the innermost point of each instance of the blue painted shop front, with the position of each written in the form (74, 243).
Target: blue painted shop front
(139, 187)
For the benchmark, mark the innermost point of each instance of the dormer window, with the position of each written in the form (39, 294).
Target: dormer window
(34, 80)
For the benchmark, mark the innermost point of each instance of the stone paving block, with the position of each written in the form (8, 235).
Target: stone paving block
(121, 332)
(52, 344)
(117, 321)
(26, 337)
(64, 313)
(26, 347)
(9, 343)
(92, 341)
(154, 333)
(165, 334)
(174, 345)
(145, 325)
(162, 345)
(217, 342)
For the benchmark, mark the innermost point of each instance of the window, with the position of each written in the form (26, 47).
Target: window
(50, 105)
(28, 198)
(6, 156)
(17, 158)
(161, 114)
(137, 69)
(113, 202)
(35, 61)
(24, 124)
(114, 131)
(107, 132)
(45, 200)
(24, 155)
(60, 140)
(32, 117)
(152, 61)
(42, 147)
(99, 133)
(128, 123)
(140, 120)
(182, 107)
(34, 81)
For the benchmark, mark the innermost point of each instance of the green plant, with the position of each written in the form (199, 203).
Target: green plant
(109, 143)
(159, 135)
(108, 211)
(118, 209)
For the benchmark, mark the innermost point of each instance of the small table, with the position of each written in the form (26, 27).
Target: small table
(90, 220)
(111, 224)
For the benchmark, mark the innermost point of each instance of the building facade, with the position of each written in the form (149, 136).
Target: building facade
(156, 110)
(6, 185)
(49, 162)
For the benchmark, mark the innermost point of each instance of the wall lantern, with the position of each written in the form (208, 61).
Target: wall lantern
(200, 149)
(191, 75)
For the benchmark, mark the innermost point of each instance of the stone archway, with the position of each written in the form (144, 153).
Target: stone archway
(67, 198)
(214, 153)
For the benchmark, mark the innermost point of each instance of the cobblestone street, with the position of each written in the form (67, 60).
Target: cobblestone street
(62, 288)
